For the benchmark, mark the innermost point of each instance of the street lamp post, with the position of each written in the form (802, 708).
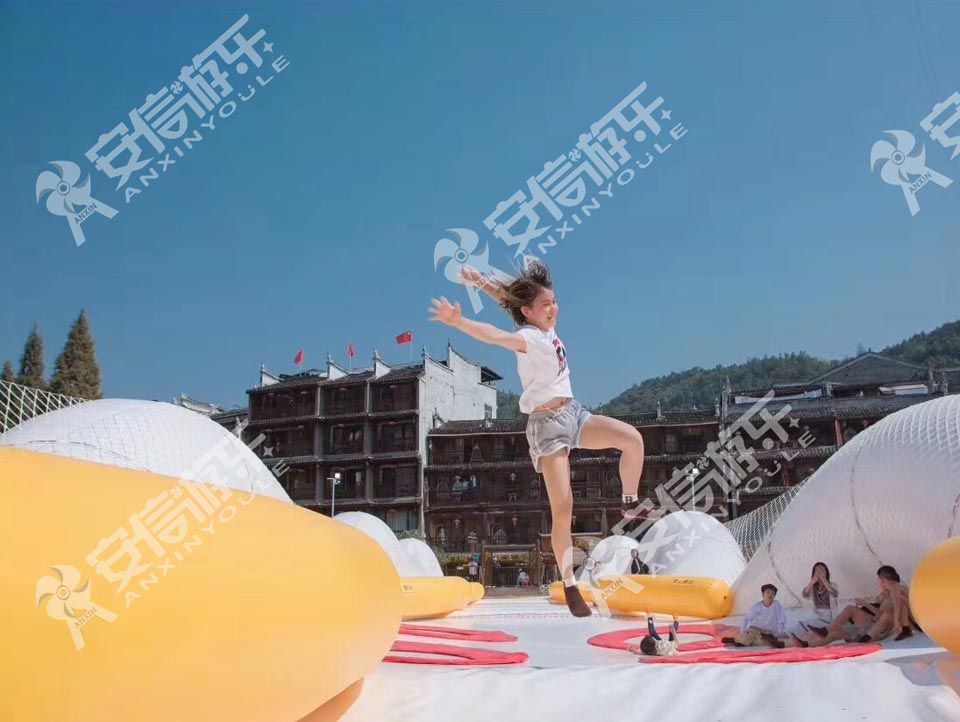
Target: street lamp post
(692, 477)
(334, 480)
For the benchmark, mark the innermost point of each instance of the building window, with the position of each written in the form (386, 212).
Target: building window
(670, 443)
(487, 411)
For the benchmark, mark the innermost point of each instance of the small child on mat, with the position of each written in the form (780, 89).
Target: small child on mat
(653, 645)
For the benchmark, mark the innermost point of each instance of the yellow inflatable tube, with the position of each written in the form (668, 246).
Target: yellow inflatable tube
(425, 597)
(935, 594)
(700, 597)
(127, 595)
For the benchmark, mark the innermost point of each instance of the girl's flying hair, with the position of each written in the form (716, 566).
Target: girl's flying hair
(524, 290)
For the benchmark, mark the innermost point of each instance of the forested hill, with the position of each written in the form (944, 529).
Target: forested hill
(700, 388)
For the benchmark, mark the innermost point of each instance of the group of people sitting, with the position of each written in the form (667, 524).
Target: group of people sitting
(867, 620)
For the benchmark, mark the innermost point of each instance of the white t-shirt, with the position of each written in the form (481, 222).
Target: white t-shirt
(770, 619)
(543, 369)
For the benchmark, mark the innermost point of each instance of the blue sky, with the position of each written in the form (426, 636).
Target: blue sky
(308, 218)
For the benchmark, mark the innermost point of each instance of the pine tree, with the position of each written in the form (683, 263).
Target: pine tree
(76, 373)
(8, 374)
(31, 362)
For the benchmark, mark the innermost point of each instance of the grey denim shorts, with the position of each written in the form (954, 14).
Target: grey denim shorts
(549, 431)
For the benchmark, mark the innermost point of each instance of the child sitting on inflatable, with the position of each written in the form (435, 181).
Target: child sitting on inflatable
(764, 623)
(653, 645)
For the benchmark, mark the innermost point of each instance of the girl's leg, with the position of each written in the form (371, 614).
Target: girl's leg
(602, 432)
(556, 477)
(882, 627)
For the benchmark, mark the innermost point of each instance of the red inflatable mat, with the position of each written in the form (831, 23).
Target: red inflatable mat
(463, 635)
(768, 656)
(459, 656)
(618, 640)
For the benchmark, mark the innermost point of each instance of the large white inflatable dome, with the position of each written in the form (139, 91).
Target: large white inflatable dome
(886, 497)
(410, 557)
(694, 544)
(377, 530)
(418, 559)
(147, 436)
(611, 556)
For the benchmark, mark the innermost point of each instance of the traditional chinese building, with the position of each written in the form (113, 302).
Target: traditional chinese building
(368, 426)
(820, 415)
(484, 497)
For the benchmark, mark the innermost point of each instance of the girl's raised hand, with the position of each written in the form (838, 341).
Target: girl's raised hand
(444, 312)
(471, 276)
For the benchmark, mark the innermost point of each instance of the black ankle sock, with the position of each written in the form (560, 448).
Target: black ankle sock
(575, 602)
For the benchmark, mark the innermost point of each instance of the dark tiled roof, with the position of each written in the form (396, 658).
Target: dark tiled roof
(874, 368)
(289, 384)
(792, 455)
(576, 460)
(517, 426)
(354, 378)
(778, 389)
(388, 414)
(291, 460)
(480, 426)
(344, 458)
(395, 456)
(668, 418)
(833, 408)
(281, 421)
(403, 373)
(228, 415)
(344, 416)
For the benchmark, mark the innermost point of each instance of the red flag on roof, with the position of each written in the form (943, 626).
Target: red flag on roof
(298, 359)
(405, 337)
(350, 352)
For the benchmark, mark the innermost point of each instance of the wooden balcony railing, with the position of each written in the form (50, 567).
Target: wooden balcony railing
(349, 406)
(394, 489)
(383, 446)
(401, 404)
(258, 413)
(347, 447)
(448, 457)
(280, 450)
(454, 542)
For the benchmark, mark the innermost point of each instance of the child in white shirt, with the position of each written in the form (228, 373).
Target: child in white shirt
(764, 623)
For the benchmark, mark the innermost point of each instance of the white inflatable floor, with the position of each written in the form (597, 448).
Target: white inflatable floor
(567, 679)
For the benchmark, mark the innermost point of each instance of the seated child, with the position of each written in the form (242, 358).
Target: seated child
(763, 623)
(872, 620)
(653, 645)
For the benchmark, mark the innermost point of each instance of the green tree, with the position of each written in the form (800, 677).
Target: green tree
(77, 373)
(31, 362)
(8, 374)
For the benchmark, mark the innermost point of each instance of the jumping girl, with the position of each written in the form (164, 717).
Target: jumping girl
(556, 423)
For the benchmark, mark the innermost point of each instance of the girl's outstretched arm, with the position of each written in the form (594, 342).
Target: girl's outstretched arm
(485, 282)
(444, 312)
